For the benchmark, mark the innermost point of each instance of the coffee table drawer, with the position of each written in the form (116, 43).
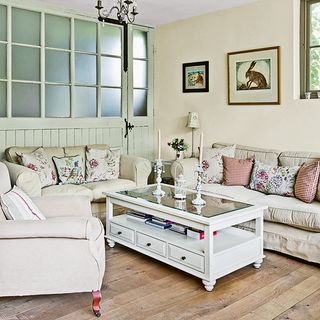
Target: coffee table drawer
(186, 258)
(151, 244)
(122, 232)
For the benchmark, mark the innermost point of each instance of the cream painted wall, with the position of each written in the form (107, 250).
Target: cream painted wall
(294, 125)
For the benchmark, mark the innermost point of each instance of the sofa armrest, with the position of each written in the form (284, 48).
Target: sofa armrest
(135, 169)
(24, 178)
(64, 206)
(67, 227)
(187, 167)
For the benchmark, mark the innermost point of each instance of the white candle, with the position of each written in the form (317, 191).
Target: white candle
(201, 148)
(159, 144)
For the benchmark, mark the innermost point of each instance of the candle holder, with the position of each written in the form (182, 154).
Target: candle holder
(198, 201)
(158, 169)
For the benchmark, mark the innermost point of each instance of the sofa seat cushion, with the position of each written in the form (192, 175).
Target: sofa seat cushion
(97, 188)
(67, 189)
(237, 193)
(291, 211)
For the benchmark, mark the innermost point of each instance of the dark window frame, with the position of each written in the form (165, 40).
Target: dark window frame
(305, 48)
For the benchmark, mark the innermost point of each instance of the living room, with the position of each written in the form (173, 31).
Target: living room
(56, 95)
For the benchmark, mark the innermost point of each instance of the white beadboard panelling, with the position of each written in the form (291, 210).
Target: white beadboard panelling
(62, 137)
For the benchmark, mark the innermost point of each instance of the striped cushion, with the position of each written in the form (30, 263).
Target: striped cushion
(237, 172)
(306, 185)
(16, 205)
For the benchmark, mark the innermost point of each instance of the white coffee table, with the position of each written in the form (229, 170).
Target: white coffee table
(209, 259)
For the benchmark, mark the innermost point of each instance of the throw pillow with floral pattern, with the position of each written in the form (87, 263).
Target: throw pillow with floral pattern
(102, 164)
(273, 180)
(38, 162)
(70, 169)
(212, 163)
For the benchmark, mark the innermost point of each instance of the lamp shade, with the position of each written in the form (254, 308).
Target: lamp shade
(193, 120)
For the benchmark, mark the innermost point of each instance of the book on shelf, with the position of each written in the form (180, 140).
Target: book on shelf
(179, 228)
(138, 216)
(158, 224)
(198, 234)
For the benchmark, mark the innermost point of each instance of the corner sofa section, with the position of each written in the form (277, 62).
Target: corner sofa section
(134, 171)
(291, 226)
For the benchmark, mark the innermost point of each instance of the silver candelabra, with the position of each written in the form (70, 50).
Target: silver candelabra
(158, 169)
(198, 201)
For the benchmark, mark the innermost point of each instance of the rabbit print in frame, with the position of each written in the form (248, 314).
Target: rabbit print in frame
(254, 77)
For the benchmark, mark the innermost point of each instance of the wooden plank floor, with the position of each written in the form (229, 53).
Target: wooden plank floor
(137, 287)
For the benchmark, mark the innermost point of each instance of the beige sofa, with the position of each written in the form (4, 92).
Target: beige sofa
(63, 254)
(134, 171)
(291, 226)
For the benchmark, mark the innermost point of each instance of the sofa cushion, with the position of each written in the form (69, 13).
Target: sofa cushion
(291, 211)
(273, 179)
(66, 189)
(306, 185)
(17, 205)
(268, 156)
(212, 163)
(97, 188)
(237, 193)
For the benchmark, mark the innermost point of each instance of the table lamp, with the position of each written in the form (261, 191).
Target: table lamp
(193, 123)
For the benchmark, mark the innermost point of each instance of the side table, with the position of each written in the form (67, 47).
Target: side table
(166, 175)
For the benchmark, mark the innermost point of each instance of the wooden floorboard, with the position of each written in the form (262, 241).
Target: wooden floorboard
(137, 287)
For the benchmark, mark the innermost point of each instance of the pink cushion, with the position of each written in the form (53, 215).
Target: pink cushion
(306, 185)
(237, 172)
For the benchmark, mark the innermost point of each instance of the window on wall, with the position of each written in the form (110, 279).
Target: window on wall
(60, 67)
(310, 47)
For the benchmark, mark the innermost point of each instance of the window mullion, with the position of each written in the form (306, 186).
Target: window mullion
(42, 67)
(72, 69)
(9, 62)
(99, 70)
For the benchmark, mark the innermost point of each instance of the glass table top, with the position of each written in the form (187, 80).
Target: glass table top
(214, 205)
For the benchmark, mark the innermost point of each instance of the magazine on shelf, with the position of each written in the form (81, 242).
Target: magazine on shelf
(158, 224)
(138, 216)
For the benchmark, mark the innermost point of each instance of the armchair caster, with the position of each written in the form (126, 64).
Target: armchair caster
(96, 298)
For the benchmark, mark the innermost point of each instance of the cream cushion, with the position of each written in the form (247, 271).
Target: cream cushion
(97, 188)
(291, 211)
(67, 189)
(239, 193)
(267, 156)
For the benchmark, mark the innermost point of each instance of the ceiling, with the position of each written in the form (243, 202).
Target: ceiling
(155, 12)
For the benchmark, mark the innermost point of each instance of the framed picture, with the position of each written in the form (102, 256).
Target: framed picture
(195, 77)
(254, 76)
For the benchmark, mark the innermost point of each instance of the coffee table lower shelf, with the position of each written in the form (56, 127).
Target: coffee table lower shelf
(231, 249)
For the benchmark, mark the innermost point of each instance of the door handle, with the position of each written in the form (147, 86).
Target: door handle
(129, 127)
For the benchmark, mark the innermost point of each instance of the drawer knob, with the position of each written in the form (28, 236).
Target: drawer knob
(119, 232)
(183, 258)
(148, 244)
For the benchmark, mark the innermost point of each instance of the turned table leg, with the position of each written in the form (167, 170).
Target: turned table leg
(257, 264)
(111, 243)
(96, 298)
(209, 285)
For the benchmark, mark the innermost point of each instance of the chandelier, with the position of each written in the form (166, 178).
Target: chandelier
(125, 10)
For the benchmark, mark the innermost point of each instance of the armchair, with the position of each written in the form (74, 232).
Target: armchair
(63, 254)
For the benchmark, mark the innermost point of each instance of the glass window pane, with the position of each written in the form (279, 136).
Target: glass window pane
(3, 61)
(315, 24)
(111, 40)
(110, 102)
(57, 32)
(86, 68)
(111, 71)
(140, 44)
(85, 36)
(25, 100)
(140, 74)
(86, 102)
(140, 108)
(25, 63)
(3, 23)
(315, 69)
(25, 26)
(57, 66)
(3, 99)
(57, 101)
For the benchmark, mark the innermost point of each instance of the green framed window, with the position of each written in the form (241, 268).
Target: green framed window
(310, 47)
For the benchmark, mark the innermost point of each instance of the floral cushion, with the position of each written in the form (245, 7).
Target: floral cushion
(102, 164)
(273, 180)
(38, 162)
(70, 169)
(212, 163)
